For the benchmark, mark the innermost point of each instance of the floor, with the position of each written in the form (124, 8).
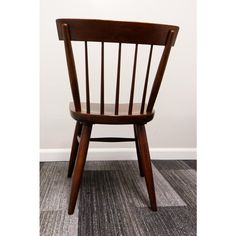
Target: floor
(113, 200)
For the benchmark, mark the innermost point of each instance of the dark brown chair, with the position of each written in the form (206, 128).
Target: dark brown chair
(86, 113)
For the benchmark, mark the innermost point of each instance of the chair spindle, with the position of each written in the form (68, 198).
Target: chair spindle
(133, 81)
(118, 82)
(102, 79)
(87, 78)
(146, 80)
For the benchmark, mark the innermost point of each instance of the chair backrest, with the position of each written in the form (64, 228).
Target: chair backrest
(116, 32)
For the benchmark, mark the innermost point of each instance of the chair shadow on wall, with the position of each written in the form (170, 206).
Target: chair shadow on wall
(87, 113)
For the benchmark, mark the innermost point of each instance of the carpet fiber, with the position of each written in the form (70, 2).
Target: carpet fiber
(113, 200)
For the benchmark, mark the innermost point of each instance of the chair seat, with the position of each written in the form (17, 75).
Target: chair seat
(109, 116)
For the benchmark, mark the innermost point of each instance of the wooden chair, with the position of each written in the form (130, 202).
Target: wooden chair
(86, 113)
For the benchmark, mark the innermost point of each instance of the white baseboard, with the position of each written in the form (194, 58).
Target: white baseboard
(103, 154)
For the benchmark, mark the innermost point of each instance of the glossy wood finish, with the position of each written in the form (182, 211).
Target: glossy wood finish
(146, 164)
(146, 80)
(87, 77)
(79, 166)
(138, 152)
(112, 139)
(137, 114)
(116, 31)
(118, 82)
(160, 71)
(120, 32)
(131, 100)
(74, 148)
(102, 79)
(71, 66)
(94, 117)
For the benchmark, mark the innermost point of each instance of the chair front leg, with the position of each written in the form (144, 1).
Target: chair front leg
(147, 167)
(138, 152)
(79, 166)
(74, 148)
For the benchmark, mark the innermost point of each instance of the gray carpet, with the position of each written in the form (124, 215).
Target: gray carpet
(113, 200)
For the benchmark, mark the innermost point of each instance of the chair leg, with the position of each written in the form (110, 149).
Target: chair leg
(74, 148)
(147, 167)
(138, 152)
(79, 166)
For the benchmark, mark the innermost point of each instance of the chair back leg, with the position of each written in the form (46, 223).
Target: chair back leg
(146, 164)
(79, 166)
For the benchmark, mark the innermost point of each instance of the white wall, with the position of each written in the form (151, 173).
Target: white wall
(174, 125)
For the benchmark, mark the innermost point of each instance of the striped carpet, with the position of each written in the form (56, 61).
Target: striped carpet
(113, 200)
